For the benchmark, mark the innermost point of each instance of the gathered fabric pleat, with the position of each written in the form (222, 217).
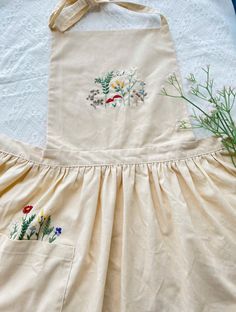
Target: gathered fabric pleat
(162, 230)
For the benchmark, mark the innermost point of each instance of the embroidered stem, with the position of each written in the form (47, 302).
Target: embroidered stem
(105, 82)
(14, 231)
(57, 232)
(47, 230)
(32, 231)
(40, 226)
(130, 87)
(25, 225)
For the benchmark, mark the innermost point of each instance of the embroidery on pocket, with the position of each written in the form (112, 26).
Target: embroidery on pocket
(34, 226)
(118, 88)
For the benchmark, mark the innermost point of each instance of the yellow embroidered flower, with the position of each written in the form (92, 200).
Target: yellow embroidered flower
(42, 216)
(118, 84)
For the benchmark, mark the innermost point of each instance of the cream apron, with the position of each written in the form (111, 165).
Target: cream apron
(105, 85)
(121, 212)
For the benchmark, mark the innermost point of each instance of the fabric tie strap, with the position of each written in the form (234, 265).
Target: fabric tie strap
(92, 3)
(70, 12)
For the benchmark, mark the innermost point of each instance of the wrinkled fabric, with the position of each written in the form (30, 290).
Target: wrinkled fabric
(144, 213)
(146, 236)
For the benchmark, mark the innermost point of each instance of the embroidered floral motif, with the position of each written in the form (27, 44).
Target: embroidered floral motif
(27, 209)
(34, 226)
(118, 88)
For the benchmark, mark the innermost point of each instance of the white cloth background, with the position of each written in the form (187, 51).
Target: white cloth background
(204, 32)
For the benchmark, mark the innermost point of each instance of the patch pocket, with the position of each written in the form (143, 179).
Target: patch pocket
(33, 274)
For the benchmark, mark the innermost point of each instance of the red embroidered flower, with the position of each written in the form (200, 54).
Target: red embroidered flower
(116, 97)
(109, 100)
(113, 98)
(27, 209)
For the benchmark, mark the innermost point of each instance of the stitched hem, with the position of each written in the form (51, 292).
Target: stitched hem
(58, 158)
(211, 153)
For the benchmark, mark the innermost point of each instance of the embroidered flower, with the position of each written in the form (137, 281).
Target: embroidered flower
(118, 88)
(118, 84)
(27, 209)
(31, 227)
(42, 216)
(113, 98)
(58, 231)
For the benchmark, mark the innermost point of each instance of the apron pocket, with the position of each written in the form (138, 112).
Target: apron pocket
(33, 274)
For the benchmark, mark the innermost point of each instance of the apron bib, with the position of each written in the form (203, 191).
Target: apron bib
(104, 87)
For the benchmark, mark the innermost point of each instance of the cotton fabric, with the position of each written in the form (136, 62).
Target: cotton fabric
(147, 212)
(152, 235)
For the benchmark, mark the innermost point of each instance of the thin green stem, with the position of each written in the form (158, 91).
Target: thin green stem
(219, 121)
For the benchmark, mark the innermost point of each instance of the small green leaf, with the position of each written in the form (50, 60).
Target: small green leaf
(25, 225)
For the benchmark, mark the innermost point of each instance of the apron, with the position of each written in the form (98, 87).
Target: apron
(121, 212)
(111, 83)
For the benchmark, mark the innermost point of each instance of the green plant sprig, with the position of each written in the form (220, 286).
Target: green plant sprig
(219, 119)
(25, 225)
(105, 82)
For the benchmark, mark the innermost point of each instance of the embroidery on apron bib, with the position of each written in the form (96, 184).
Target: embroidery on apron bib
(111, 81)
(118, 88)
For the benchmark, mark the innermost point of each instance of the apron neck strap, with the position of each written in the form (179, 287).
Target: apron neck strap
(76, 9)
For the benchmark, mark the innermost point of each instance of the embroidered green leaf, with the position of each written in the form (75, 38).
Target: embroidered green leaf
(32, 231)
(51, 239)
(14, 231)
(105, 82)
(46, 225)
(47, 230)
(25, 225)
